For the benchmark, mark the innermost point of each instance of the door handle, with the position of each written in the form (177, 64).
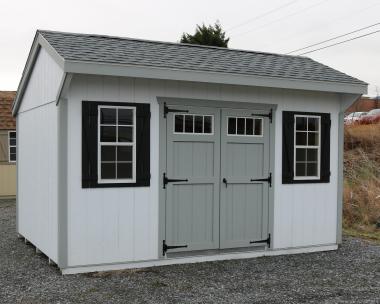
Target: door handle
(224, 181)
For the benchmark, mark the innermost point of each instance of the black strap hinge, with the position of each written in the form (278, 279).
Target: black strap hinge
(268, 179)
(269, 115)
(166, 180)
(166, 247)
(167, 110)
(266, 241)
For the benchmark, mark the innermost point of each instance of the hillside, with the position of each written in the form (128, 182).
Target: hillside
(361, 210)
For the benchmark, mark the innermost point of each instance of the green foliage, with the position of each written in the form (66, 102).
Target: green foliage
(212, 35)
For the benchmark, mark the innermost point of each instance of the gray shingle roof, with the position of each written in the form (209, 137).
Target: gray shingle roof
(116, 50)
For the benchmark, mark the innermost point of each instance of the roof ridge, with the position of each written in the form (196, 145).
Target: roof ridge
(171, 43)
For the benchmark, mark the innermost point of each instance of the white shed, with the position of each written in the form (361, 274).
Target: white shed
(135, 153)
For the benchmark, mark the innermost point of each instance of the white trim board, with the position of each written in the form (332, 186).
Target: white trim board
(197, 259)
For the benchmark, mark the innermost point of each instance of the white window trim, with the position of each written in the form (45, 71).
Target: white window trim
(133, 144)
(11, 146)
(307, 147)
(245, 122)
(193, 133)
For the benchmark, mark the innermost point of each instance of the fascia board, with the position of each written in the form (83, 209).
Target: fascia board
(80, 67)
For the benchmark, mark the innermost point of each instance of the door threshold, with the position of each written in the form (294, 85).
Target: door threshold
(182, 254)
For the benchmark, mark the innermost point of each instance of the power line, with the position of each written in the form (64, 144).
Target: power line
(333, 38)
(280, 19)
(262, 15)
(344, 41)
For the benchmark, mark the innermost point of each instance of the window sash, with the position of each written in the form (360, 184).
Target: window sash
(245, 126)
(116, 143)
(12, 135)
(193, 132)
(307, 147)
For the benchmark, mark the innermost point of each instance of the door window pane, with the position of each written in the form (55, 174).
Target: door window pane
(232, 125)
(249, 126)
(198, 124)
(258, 126)
(189, 123)
(207, 121)
(178, 123)
(241, 126)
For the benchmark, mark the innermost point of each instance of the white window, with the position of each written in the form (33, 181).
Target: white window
(244, 126)
(194, 124)
(116, 144)
(307, 147)
(12, 146)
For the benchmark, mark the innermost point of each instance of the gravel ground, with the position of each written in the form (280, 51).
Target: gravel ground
(349, 275)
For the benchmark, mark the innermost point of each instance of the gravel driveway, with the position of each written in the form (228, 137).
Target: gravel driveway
(349, 275)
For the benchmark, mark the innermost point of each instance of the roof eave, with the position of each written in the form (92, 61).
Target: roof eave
(80, 67)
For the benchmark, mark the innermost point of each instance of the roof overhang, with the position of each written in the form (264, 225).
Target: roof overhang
(92, 68)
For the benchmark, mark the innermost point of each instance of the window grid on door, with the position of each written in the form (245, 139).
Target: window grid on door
(244, 126)
(196, 124)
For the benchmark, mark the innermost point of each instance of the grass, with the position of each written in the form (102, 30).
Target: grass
(361, 209)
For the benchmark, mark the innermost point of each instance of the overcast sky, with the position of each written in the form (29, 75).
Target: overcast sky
(277, 26)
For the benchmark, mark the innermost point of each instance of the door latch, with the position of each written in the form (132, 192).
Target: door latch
(166, 247)
(166, 180)
(225, 181)
(268, 179)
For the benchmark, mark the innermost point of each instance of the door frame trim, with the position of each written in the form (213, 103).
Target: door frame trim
(162, 152)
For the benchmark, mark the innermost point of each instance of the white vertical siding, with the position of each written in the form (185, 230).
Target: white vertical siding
(109, 225)
(37, 157)
(43, 83)
(37, 179)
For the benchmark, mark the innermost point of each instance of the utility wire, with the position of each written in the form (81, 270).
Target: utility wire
(344, 41)
(333, 38)
(262, 15)
(280, 19)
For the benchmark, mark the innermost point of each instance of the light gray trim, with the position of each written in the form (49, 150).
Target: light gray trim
(162, 152)
(38, 42)
(340, 177)
(81, 67)
(62, 140)
(64, 86)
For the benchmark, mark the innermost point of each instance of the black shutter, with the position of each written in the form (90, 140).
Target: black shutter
(142, 144)
(89, 144)
(287, 147)
(325, 147)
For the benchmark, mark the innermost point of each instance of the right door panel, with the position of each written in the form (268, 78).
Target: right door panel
(244, 157)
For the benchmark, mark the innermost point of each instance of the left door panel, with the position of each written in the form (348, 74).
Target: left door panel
(193, 155)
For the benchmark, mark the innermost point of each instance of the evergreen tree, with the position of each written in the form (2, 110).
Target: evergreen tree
(207, 35)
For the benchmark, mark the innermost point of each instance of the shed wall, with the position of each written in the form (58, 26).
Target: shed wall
(109, 225)
(37, 142)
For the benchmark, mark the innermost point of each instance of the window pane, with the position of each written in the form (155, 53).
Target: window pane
(312, 155)
(231, 125)
(124, 153)
(108, 153)
(198, 124)
(207, 124)
(313, 139)
(12, 134)
(258, 127)
(178, 121)
(108, 171)
(124, 170)
(300, 169)
(240, 126)
(12, 157)
(313, 124)
(301, 123)
(300, 154)
(189, 122)
(249, 126)
(12, 141)
(125, 134)
(108, 116)
(301, 138)
(125, 117)
(108, 134)
(12, 149)
(312, 169)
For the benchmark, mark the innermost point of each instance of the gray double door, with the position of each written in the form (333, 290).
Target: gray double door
(216, 186)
